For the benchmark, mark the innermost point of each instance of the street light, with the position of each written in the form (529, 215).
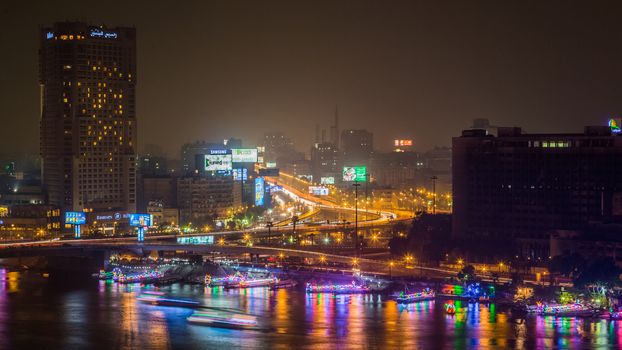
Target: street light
(434, 178)
(391, 263)
(356, 218)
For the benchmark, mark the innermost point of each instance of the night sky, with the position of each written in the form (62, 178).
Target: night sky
(208, 70)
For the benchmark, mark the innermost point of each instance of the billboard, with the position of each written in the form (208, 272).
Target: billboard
(271, 165)
(141, 220)
(259, 190)
(318, 190)
(217, 161)
(196, 240)
(75, 218)
(269, 172)
(240, 174)
(244, 155)
(354, 173)
(402, 143)
(327, 180)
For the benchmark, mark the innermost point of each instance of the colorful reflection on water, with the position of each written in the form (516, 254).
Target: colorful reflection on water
(37, 312)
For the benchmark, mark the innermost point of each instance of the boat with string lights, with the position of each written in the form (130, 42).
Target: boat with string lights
(282, 284)
(404, 298)
(568, 310)
(221, 319)
(161, 299)
(253, 282)
(352, 288)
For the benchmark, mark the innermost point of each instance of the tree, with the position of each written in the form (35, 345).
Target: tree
(601, 271)
(568, 265)
(467, 273)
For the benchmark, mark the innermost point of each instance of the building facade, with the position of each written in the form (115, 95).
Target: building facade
(519, 187)
(357, 146)
(325, 161)
(88, 116)
(201, 199)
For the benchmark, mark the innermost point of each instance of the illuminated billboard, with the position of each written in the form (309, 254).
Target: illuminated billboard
(402, 143)
(217, 160)
(318, 190)
(244, 155)
(240, 174)
(354, 173)
(327, 180)
(260, 188)
(75, 218)
(141, 220)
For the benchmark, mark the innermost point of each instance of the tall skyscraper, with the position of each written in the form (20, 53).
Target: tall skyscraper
(88, 116)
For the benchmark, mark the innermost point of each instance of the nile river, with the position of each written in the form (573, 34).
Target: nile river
(83, 313)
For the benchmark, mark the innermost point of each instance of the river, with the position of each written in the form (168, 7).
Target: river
(74, 312)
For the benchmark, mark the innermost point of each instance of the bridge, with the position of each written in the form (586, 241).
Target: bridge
(91, 247)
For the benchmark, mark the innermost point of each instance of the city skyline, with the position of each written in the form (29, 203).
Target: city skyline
(417, 67)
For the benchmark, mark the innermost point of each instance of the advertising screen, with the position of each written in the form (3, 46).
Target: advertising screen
(318, 190)
(75, 217)
(259, 190)
(240, 174)
(244, 155)
(402, 143)
(196, 240)
(141, 220)
(215, 162)
(327, 180)
(354, 173)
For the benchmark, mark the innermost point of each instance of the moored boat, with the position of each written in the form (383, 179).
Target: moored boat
(352, 288)
(404, 298)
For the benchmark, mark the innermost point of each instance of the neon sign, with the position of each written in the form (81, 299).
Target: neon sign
(98, 33)
(49, 35)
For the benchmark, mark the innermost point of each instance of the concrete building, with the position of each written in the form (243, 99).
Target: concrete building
(325, 161)
(518, 187)
(88, 116)
(201, 199)
(357, 146)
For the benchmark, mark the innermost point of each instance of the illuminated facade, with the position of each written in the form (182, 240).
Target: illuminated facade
(88, 116)
(520, 187)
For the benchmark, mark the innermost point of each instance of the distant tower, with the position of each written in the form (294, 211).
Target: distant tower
(334, 129)
(317, 133)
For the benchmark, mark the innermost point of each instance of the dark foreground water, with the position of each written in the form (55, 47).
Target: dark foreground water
(82, 313)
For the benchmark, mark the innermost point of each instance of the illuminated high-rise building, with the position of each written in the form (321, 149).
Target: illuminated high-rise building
(88, 116)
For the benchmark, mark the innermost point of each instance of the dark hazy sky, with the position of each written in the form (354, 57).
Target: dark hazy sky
(211, 69)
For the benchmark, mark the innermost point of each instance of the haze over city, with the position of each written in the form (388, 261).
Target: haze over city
(310, 175)
(401, 69)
